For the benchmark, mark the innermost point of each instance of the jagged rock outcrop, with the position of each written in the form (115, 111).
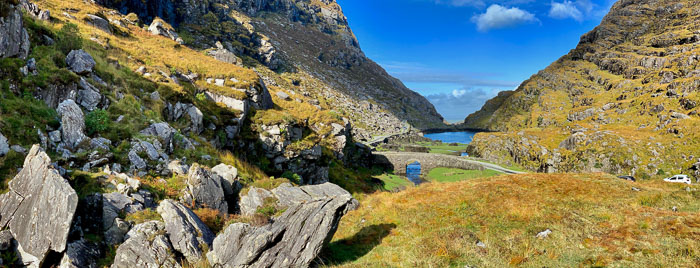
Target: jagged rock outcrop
(14, 39)
(39, 208)
(88, 96)
(146, 245)
(188, 234)
(205, 189)
(292, 240)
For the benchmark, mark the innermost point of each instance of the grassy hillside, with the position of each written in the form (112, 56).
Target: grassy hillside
(596, 220)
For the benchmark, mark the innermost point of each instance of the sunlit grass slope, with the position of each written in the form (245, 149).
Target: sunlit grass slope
(596, 220)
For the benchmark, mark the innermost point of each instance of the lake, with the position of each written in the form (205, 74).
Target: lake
(464, 137)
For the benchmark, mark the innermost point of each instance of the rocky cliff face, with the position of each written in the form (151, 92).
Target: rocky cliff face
(635, 77)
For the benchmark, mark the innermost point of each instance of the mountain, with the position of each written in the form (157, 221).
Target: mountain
(625, 100)
(310, 42)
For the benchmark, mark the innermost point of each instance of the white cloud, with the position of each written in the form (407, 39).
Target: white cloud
(579, 10)
(458, 93)
(497, 17)
(458, 104)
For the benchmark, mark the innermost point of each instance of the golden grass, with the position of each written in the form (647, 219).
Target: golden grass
(597, 220)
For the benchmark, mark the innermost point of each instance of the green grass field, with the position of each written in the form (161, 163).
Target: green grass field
(392, 181)
(454, 174)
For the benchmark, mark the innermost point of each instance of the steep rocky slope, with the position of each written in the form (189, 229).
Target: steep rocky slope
(309, 43)
(625, 100)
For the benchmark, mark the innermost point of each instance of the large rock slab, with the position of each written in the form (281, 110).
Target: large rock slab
(14, 39)
(205, 189)
(288, 195)
(39, 207)
(146, 246)
(72, 123)
(186, 231)
(292, 240)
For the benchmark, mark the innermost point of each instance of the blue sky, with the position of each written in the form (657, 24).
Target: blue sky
(460, 53)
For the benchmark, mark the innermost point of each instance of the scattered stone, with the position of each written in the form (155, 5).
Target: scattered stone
(80, 62)
(185, 230)
(480, 244)
(282, 95)
(544, 234)
(39, 204)
(229, 175)
(137, 161)
(146, 245)
(679, 115)
(636, 189)
(155, 96)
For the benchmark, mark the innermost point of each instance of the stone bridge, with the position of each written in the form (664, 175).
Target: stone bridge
(398, 161)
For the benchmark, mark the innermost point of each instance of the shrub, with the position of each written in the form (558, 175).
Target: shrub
(292, 177)
(212, 218)
(69, 38)
(97, 121)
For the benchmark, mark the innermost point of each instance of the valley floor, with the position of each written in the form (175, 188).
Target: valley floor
(596, 220)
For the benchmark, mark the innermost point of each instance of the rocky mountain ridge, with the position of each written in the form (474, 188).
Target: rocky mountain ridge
(624, 101)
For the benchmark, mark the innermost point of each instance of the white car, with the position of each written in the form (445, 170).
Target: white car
(679, 179)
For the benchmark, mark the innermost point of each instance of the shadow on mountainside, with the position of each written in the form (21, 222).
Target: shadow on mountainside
(353, 248)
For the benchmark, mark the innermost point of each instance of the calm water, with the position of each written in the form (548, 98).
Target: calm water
(452, 137)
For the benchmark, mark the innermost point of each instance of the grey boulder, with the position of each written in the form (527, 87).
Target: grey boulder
(72, 123)
(99, 23)
(80, 62)
(39, 208)
(146, 246)
(204, 189)
(186, 231)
